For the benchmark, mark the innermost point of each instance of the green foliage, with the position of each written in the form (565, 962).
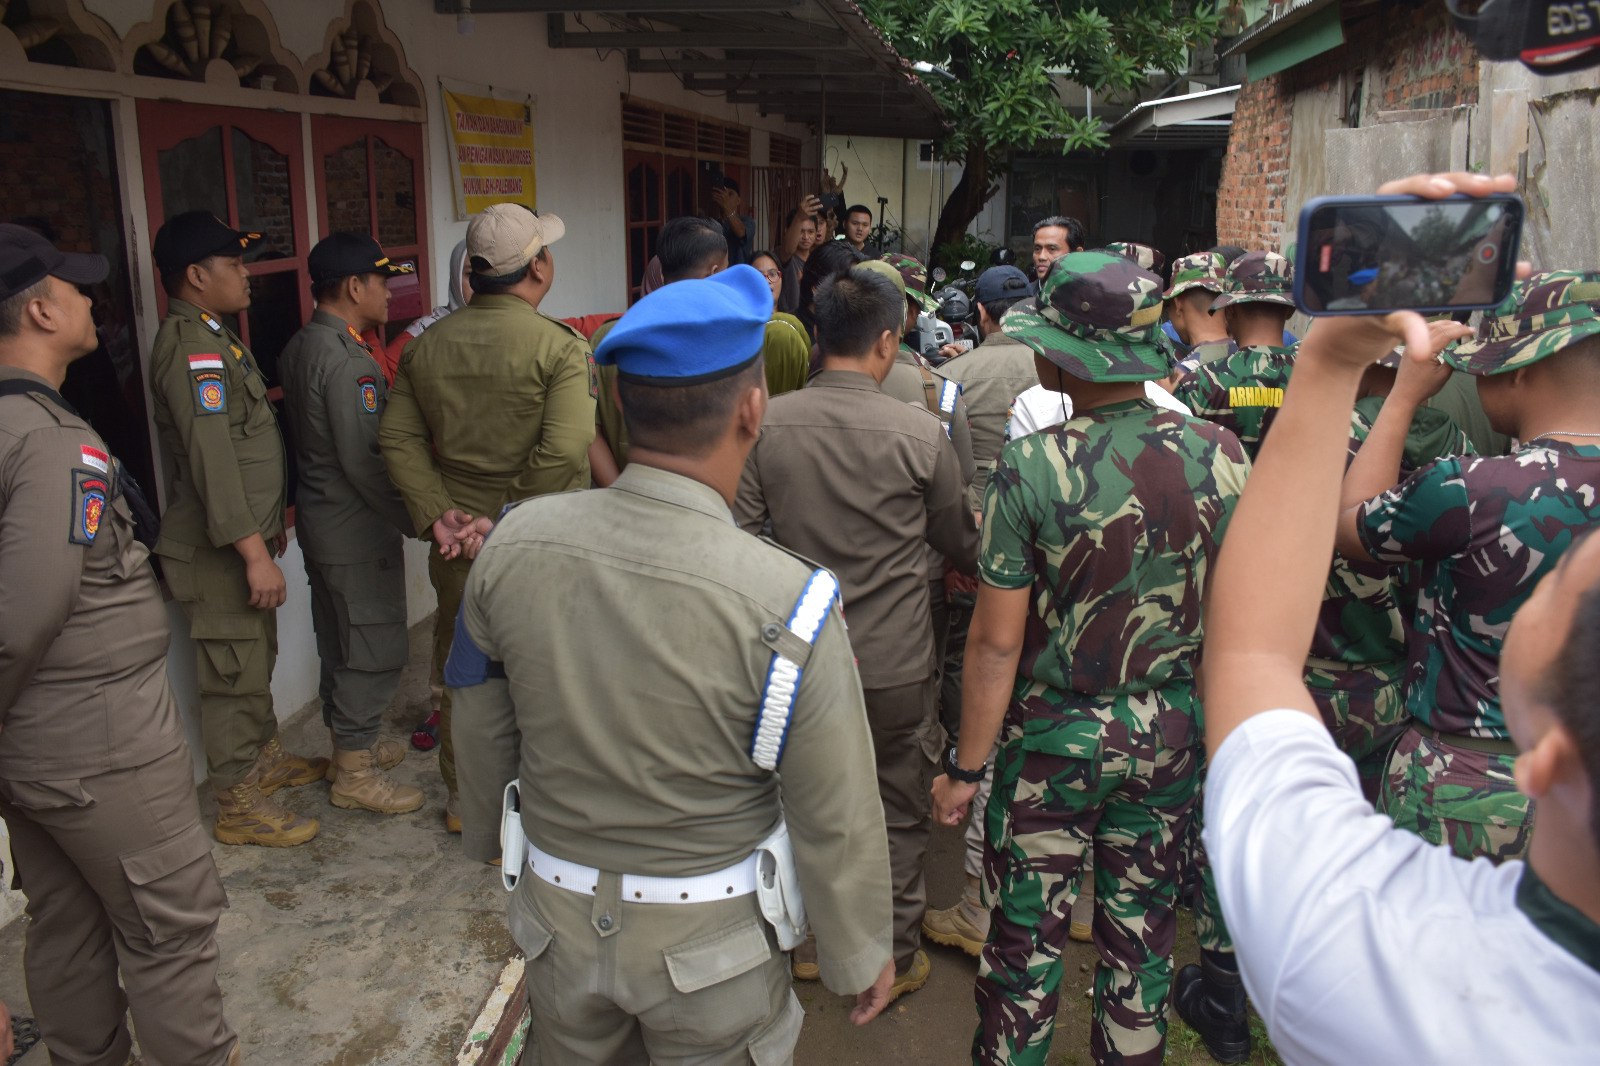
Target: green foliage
(887, 237)
(970, 247)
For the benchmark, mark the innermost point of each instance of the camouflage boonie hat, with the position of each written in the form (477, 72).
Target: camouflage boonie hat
(878, 266)
(916, 278)
(1202, 270)
(1543, 315)
(1257, 277)
(1098, 317)
(1152, 259)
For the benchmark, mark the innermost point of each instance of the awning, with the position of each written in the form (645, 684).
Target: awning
(1198, 120)
(818, 62)
(1300, 30)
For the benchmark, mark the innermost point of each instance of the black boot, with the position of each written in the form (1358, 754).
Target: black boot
(1210, 999)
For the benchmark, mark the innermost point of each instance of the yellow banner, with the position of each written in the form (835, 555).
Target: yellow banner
(491, 151)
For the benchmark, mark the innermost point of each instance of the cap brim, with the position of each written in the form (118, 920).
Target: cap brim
(238, 244)
(923, 300)
(1282, 299)
(554, 228)
(1184, 286)
(1126, 360)
(1487, 358)
(82, 268)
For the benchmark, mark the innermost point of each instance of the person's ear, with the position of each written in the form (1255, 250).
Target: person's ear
(1553, 759)
(984, 321)
(751, 410)
(197, 276)
(888, 345)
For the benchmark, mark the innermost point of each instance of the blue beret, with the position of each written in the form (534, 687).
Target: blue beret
(691, 331)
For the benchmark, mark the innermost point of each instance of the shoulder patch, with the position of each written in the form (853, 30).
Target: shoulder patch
(210, 394)
(90, 493)
(94, 457)
(948, 396)
(368, 388)
(783, 675)
(594, 377)
(213, 324)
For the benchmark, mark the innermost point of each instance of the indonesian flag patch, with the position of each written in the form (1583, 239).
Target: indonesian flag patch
(94, 457)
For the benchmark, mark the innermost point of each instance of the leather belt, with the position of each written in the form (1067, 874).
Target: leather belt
(1487, 745)
(730, 883)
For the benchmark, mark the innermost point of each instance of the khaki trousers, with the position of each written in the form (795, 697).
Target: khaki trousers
(120, 880)
(236, 647)
(616, 984)
(449, 577)
(906, 738)
(359, 613)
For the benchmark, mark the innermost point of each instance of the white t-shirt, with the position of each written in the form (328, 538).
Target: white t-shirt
(1362, 943)
(1039, 408)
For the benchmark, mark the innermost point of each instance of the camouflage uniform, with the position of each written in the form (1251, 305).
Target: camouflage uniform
(1152, 259)
(1244, 390)
(1101, 742)
(1485, 530)
(1206, 271)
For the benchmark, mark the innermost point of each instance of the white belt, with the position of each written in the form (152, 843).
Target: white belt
(737, 880)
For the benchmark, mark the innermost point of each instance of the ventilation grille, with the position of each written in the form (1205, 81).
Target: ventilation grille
(784, 151)
(657, 127)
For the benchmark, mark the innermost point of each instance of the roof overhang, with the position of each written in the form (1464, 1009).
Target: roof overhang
(818, 62)
(1296, 32)
(1198, 120)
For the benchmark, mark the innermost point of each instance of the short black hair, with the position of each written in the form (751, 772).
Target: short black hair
(788, 219)
(996, 309)
(1229, 252)
(729, 183)
(500, 284)
(11, 307)
(854, 309)
(685, 243)
(685, 420)
(863, 208)
(174, 281)
(1076, 234)
(764, 254)
(1569, 686)
(829, 260)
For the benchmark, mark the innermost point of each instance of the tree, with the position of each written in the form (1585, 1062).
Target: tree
(1002, 53)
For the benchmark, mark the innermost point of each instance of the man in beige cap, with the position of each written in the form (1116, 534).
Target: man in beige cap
(492, 405)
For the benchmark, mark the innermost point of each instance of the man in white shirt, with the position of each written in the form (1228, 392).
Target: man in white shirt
(1359, 942)
(1040, 408)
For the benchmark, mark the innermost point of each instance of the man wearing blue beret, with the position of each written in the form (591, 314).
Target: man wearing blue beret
(667, 873)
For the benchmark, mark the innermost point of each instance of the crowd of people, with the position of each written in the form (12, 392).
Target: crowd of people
(1172, 609)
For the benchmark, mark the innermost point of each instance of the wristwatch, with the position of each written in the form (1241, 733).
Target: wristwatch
(953, 768)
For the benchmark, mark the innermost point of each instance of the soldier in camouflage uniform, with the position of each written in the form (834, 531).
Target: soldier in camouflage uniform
(1097, 536)
(1152, 259)
(1244, 390)
(1197, 280)
(1484, 531)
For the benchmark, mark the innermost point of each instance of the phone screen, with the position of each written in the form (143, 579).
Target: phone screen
(1378, 255)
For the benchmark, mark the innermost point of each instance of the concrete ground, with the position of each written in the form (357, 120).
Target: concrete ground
(376, 943)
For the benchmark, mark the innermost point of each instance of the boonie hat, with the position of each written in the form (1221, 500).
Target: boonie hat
(1544, 314)
(1152, 259)
(691, 331)
(1098, 317)
(342, 255)
(504, 238)
(1202, 270)
(1001, 283)
(1257, 277)
(26, 259)
(915, 276)
(196, 235)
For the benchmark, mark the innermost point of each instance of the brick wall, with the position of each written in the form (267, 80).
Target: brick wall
(1416, 60)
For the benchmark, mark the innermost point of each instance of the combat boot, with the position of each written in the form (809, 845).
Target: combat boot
(803, 963)
(389, 754)
(276, 768)
(361, 784)
(915, 977)
(964, 926)
(245, 816)
(1211, 1000)
(452, 813)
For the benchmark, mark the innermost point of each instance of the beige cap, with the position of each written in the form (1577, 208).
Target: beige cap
(505, 237)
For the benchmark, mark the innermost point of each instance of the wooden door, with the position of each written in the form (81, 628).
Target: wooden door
(646, 212)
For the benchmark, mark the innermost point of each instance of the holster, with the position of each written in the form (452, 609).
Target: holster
(513, 841)
(778, 888)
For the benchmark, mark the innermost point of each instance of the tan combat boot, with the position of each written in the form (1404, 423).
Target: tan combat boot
(277, 768)
(452, 813)
(915, 977)
(390, 753)
(361, 784)
(964, 926)
(1082, 925)
(245, 816)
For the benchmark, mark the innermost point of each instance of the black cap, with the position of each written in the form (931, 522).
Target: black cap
(196, 235)
(1000, 283)
(342, 255)
(27, 259)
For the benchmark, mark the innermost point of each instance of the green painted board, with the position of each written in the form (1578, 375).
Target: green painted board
(1317, 34)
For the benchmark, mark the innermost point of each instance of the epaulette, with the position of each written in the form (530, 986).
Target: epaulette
(569, 327)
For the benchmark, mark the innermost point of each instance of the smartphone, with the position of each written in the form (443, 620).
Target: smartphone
(1369, 255)
(832, 201)
(718, 179)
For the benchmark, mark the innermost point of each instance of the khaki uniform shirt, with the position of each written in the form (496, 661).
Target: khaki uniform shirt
(629, 710)
(991, 376)
(219, 430)
(494, 403)
(83, 633)
(913, 380)
(346, 509)
(859, 481)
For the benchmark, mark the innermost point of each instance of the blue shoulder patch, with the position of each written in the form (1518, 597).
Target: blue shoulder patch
(468, 664)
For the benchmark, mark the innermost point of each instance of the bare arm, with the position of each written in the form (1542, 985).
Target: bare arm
(791, 235)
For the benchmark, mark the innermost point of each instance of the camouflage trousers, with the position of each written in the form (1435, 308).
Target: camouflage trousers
(1122, 778)
(1448, 794)
(1364, 709)
(1210, 930)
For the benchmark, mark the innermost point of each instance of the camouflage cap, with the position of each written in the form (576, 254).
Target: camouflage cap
(1257, 277)
(1152, 259)
(916, 278)
(1543, 315)
(1098, 317)
(1202, 270)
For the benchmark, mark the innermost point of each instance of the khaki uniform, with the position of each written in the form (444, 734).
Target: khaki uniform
(633, 747)
(865, 483)
(493, 404)
(96, 782)
(991, 375)
(350, 520)
(218, 427)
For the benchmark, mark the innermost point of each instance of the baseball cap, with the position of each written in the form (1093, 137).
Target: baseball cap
(504, 238)
(1202, 270)
(26, 259)
(1150, 258)
(1543, 315)
(1098, 317)
(196, 235)
(691, 331)
(1257, 277)
(1000, 283)
(340, 255)
(916, 280)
